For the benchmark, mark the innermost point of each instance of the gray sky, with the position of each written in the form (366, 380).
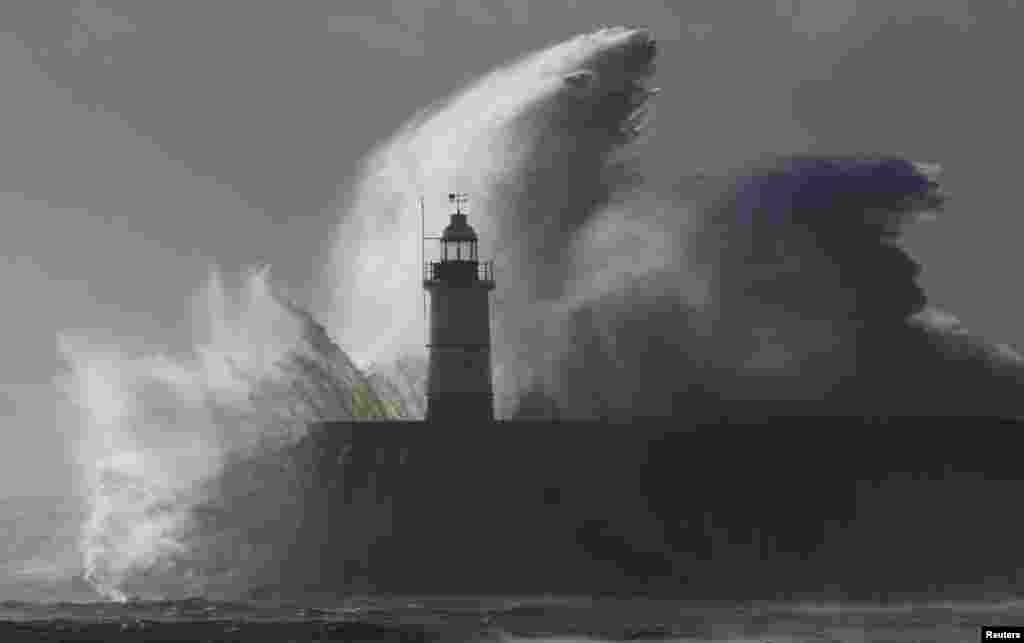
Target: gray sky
(142, 141)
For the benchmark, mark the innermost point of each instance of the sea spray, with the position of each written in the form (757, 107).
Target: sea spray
(536, 145)
(158, 430)
(780, 287)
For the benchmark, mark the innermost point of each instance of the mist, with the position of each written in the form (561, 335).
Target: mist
(537, 145)
(158, 431)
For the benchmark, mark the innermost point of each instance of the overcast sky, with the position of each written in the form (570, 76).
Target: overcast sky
(142, 141)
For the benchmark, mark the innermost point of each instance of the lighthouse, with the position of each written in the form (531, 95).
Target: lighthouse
(459, 385)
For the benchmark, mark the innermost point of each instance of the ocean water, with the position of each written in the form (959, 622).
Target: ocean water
(43, 602)
(506, 619)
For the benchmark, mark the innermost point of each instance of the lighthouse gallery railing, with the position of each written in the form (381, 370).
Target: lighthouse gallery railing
(484, 270)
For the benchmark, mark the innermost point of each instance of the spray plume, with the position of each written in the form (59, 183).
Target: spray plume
(782, 288)
(159, 430)
(534, 144)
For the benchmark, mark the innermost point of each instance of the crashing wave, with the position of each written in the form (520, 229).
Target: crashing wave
(536, 144)
(159, 433)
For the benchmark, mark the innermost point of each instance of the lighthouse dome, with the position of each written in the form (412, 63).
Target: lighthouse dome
(458, 230)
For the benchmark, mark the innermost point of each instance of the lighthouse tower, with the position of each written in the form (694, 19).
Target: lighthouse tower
(459, 378)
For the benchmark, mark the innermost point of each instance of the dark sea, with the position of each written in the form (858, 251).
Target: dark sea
(35, 533)
(501, 619)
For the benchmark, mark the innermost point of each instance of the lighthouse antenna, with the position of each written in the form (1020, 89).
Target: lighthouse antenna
(423, 264)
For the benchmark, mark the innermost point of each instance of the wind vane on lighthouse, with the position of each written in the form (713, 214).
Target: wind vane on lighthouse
(459, 199)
